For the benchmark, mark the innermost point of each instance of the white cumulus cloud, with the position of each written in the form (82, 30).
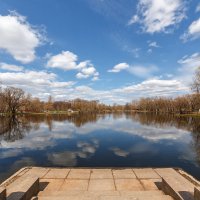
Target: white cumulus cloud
(153, 44)
(193, 31)
(86, 70)
(42, 84)
(158, 16)
(198, 8)
(134, 19)
(137, 70)
(143, 71)
(65, 60)
(119, 67)
(39, 83)
(69, 61)
(18, 37)
(188, 66)
(10, 67)
(154, 87)
(191, 61)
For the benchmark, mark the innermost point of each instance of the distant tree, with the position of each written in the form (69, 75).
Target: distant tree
(196, 82)
(2, 105)
(49, 104)
(182, 104)
(37, 105)
(12, 98)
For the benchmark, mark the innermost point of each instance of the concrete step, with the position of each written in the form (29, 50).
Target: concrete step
(23, 188)
(73, 193)
(178, 187)
(100, 193)
(105, 197)
(158, 197)
(197, 193)
(2, 193)
(144, 193)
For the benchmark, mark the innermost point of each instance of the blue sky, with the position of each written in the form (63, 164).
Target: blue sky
(110, 50)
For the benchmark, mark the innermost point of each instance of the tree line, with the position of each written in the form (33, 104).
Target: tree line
(180, 105)
(183, 104)
(15, 100)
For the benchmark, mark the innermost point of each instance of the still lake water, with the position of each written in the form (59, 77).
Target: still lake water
(117, 140)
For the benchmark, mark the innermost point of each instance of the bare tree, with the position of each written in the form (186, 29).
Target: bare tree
(12, 98)
(49, 104)
(196, 82)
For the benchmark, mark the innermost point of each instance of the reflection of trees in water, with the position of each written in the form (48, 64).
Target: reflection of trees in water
(191, 124)
(196, 137)
(13, 128)
(78, 120)
(117, 115)
(82, 119)
(196, 146)
(158, 120)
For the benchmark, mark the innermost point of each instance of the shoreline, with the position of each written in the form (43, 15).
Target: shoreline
(106, 112)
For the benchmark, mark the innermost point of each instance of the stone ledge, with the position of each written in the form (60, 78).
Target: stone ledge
(14, 176)
(2, 193)
(23, 189)
(169, 188)
(197, 193)
(67, 182)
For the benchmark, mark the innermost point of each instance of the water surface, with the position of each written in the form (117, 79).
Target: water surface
(117, 140)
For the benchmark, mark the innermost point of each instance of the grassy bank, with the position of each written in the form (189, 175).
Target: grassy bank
(189, 115)
(42, 113)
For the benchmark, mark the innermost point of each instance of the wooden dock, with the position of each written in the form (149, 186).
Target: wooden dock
(35, 183)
